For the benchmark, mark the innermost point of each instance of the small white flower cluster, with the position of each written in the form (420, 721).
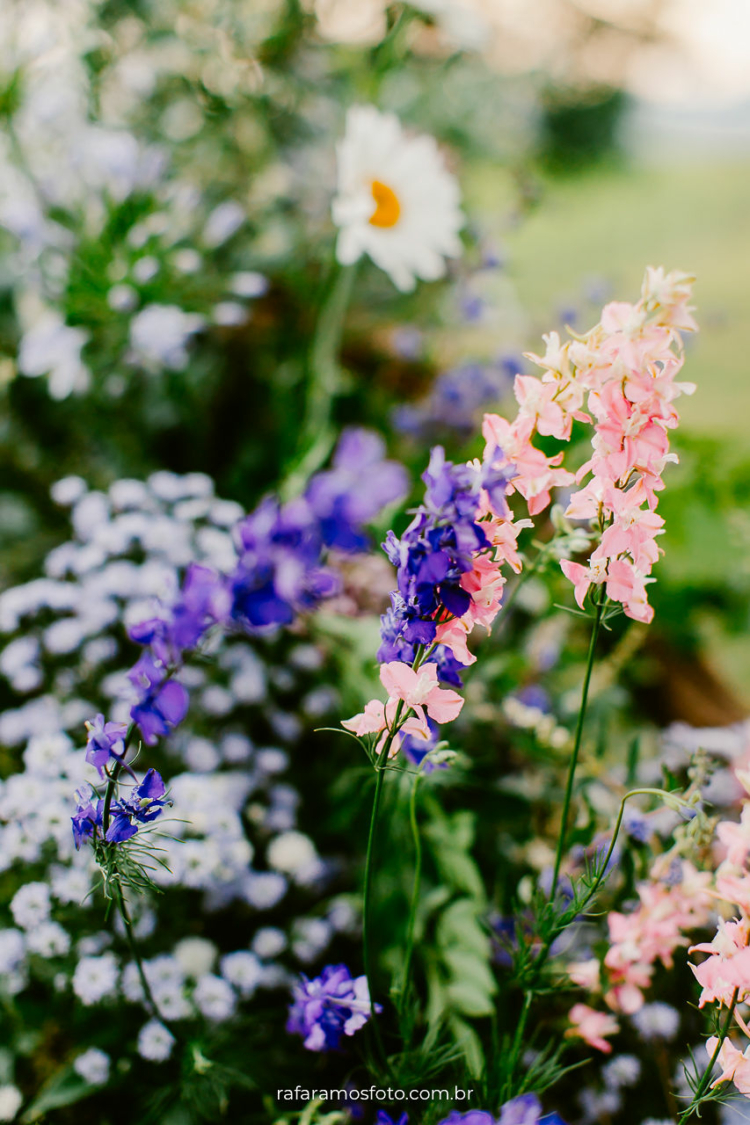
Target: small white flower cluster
(231, 804)
(54, 158)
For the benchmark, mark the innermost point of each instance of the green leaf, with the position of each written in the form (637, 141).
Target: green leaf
(63, 1088)
(470, 1044)
(450, 839)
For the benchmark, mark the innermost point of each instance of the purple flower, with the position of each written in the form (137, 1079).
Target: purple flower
(203, 601)
(87, 816)
(355, 489)
(534, 695)
(472, 1117)
(279, 573)
(431, 557)
(104, 741)
(163, 703)
(144, 803)
(384, 1118)
(456, 398)
(330, 1006)
(121, 827)
(525, 1110)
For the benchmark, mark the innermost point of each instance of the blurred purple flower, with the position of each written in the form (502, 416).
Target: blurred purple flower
(163, 702)
(104, 741)
(328, 1007)
(457, 396)
(279, 572)
(471, 1117)
(360, 483)
(204, 600)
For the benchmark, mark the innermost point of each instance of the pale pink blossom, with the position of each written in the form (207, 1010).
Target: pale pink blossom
(736, 837)
(653, 932)
(420, 689)
(453, 634)
(735, 1064)
(592, 1027)
(536, 474)
(586, 974)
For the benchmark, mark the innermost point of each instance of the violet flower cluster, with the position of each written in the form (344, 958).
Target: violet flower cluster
(280, 572)
(431, 557)
(524, 1110)
(328, 1007)
(142, 804)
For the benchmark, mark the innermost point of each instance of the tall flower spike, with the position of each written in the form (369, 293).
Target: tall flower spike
(626, 368)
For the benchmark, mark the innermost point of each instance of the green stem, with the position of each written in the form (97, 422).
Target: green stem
(128, 924)
(122, 907)
(706, 1079)
(576, 750)
(618, 825)
(380, 765)
(518, 1039)
(415, 890)
(543, 954)
(317, 435)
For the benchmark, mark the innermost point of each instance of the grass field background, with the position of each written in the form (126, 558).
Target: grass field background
(612, 222)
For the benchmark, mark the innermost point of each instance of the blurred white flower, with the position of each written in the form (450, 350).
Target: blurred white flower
(229, 314)
(49, 940)
(155, 1042)
(248, 283)
(95, 977)
(294, 854)
(657, 1020)
(11, 1100)
(122, 298)
(396, 200)
(30, 905)
(12, 950)
(222, 223)
(159, 335)
(268, 942)
(214, 997)
(93, 1066)
(351, 21)
(243, 970)
(463, 23)
(195, 956)
(50, 347)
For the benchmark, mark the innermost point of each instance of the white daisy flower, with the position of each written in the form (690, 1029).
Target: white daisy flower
(396, 200)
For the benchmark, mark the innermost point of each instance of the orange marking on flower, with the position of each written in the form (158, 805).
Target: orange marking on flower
(387, 207)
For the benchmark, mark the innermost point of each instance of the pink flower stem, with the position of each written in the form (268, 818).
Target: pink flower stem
(705, 1080)
(576, 748)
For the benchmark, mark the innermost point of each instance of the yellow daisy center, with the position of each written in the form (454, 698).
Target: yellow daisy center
(387, 207)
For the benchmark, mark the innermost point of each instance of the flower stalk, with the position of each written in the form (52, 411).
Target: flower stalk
(317, 434)
(561, 840)
(708, 1073)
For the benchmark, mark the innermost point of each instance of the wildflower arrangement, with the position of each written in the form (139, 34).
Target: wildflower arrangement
(487, 895)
